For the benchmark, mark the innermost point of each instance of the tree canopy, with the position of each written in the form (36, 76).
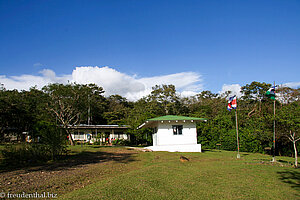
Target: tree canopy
(71, 104)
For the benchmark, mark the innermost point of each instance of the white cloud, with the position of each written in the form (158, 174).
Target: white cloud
(113, 81)
(24, 82)
(38, 64)
(292, 84)
(187, 83)
(188, 93)
(183, 80)
(234, 88)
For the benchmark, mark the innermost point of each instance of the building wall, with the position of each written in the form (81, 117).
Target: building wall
(165, 136)
(82, 135)
(119, 135)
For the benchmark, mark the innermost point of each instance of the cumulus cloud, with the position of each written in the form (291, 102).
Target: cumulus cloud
(133, 88)
(234, 88)
(113, 81)
(292, 85)
(24, 82)
(187, 83)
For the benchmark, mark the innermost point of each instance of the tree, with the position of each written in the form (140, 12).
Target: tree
(289, 124)
(253, 94)
(207, 105)
(91, 104)
(165, 97)
(14, 116)
(118, 108)
(68, 103)
(288, 95)
(52, 137)
(141, 111)
(254, 91)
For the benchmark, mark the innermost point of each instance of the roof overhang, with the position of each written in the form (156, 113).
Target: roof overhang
(85, 126)
(153, 123)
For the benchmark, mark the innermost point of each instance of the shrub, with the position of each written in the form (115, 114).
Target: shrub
(121, 142)
(24, 154)
(53, 137)
(52, 145)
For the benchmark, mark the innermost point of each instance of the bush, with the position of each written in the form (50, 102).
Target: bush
(24, 154)
(121, 142)
(52, 145)
(53, 137)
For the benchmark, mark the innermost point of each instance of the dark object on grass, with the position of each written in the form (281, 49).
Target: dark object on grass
(183, 159)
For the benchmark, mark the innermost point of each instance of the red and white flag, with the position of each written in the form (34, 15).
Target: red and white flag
(232, 103)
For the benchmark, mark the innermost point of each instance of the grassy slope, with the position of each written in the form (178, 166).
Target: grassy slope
(208, 175)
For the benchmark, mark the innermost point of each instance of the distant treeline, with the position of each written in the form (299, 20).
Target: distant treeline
(70, 104)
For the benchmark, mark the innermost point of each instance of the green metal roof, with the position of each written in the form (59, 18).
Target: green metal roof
(174, 118)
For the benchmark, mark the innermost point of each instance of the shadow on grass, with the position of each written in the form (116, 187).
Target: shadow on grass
(264, 159)
(244, 154)
(99, 146)
(78, 159)
(209, 150)
(291, 177)
(285, 162)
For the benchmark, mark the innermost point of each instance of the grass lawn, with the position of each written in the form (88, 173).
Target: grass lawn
(119, 173)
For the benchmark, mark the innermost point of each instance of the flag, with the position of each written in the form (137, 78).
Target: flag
(232, 103)
(271, 93)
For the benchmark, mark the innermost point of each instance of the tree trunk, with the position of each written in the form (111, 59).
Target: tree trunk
(71, 140)
(296, 157)
(70, 137)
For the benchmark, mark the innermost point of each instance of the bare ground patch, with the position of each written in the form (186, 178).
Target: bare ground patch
(78, 171)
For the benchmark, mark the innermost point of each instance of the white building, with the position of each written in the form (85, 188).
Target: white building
(174, 133)
(103, 133)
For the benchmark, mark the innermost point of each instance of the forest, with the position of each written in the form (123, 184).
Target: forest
(45, 112)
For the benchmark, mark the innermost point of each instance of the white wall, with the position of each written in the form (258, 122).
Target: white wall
(165, 134)
(118, 136)
(83, 137)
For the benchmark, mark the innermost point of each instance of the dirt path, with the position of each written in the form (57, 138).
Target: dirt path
(77, 172)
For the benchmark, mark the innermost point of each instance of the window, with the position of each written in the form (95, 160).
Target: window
(177, 129)
(81, 135)
(94, 134)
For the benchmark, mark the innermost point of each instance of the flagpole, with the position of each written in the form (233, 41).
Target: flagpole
(273, 160)
(237, 134)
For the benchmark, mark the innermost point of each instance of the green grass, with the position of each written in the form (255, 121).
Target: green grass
(208, 175)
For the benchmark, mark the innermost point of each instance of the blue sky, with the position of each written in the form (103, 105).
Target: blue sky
(220, 42)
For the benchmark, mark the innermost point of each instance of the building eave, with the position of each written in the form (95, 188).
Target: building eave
(169, 119)
(85, 126)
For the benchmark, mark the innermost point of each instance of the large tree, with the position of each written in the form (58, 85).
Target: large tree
(165, 98)
(70, 103)
(252, 95)
(288, 118)
(117, 109)
(288, 95)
